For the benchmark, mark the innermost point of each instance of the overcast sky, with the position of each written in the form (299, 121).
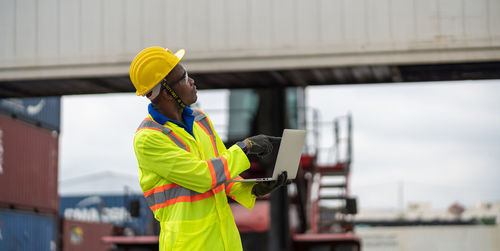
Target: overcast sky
(430, 142)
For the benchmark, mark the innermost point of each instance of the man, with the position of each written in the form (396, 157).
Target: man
(184, 167)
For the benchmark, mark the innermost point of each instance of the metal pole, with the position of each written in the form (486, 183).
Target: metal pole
(349, 143)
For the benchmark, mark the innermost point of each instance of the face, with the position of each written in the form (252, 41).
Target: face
(185, 88)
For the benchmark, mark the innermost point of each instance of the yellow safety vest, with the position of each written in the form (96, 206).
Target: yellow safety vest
(184, 180)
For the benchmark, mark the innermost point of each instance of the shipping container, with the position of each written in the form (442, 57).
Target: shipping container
(28, 166)
(85, 236)
(114, 209)
(26, 231)
(41, 111)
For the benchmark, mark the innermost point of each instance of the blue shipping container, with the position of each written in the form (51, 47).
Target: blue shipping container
(109, 209)
(24, 231)
(41, 111)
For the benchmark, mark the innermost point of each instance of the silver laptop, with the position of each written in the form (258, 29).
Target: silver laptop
(288, 158)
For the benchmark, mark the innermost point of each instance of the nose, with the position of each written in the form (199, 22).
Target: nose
(190, 81)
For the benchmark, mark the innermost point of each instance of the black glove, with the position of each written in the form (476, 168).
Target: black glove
(266, 187)
(261, 145)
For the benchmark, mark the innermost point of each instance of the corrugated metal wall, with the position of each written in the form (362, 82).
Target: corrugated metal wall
(23, 231)
(85, 236)
(109, 209)
(110, 32)
(28, 166)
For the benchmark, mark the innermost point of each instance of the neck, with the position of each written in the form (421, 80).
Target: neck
(170, 110)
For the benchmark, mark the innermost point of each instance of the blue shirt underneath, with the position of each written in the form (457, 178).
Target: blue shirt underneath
(187, 115)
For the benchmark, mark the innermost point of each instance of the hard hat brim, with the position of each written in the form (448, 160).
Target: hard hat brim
(180, 54)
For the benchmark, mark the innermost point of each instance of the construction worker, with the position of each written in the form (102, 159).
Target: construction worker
(184, 167)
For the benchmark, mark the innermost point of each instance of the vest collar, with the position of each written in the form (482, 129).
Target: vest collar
(187, 115)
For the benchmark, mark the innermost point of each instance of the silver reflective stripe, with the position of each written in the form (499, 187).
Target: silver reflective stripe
(177, 141)
(202, 118)
(198, 115)
(172, 193)
(151, 124)
(205, 124)
(167, 131)
(220, 175)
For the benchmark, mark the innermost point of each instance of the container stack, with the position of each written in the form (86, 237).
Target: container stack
(128, 213)
(29, 202)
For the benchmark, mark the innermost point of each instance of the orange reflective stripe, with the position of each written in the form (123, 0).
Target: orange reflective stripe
(226, 169)
(182, 199)
(193, 198)
(228, 188)
(231, 184)
(218, 189)
(202, 121)
(209, 125)
(203, 127)
(159, 189)
(221, 170)
(214, 146)
(212, 173)
(179, 139)
(204, 118)
(212, 139)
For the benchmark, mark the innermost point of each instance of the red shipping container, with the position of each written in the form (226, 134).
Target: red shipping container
(28, 166)
(85, 236)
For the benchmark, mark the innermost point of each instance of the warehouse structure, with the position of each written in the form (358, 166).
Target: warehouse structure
(72, 47)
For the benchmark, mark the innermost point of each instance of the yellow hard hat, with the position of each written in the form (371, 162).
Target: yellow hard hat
(151, 65)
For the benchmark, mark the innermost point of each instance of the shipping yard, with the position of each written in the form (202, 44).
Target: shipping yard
(399, 101)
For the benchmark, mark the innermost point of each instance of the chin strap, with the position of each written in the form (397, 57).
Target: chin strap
(173, 94)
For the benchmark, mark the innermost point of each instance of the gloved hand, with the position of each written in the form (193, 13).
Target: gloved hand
(266, 187)
(261, 145)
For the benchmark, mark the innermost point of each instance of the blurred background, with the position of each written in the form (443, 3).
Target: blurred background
(400, 100)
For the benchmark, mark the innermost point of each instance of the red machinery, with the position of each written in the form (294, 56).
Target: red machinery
(320, 205)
